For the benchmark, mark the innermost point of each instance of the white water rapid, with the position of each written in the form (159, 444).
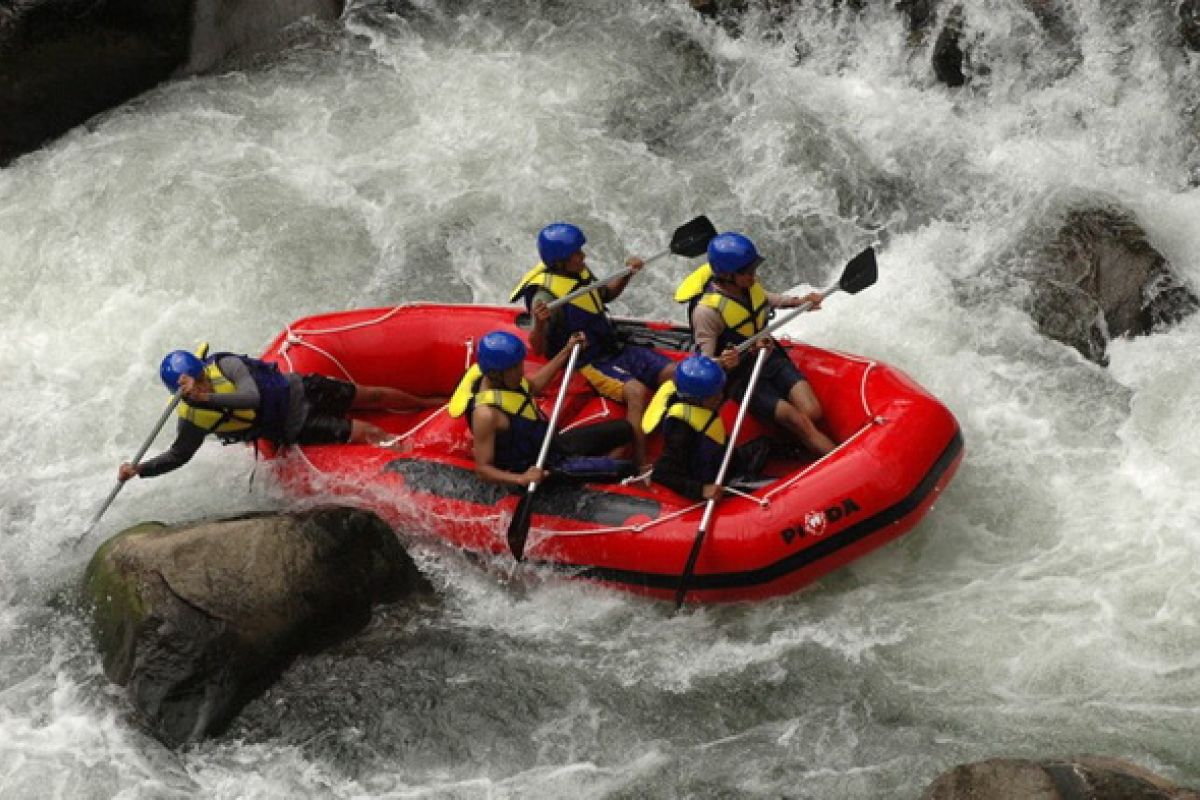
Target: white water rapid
(1048, 606)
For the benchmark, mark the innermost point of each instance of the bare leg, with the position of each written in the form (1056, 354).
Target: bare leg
(801, 396)
(802, 427)
(637, 396)
(376, 398)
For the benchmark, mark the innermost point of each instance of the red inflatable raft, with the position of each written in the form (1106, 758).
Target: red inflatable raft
(899, 448)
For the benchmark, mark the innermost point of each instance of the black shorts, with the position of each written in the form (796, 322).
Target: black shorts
(329, 401)
(328, 395)
(778, 377)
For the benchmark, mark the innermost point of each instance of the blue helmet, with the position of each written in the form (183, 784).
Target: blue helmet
(558, 241)
(698, 377)
(500, 350)
(175, 365)
(732, 252)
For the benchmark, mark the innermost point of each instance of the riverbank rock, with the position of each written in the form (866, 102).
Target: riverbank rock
(1189, 23)
(1099, 278)
(63, 61)
(196, 620)
(1090, 777)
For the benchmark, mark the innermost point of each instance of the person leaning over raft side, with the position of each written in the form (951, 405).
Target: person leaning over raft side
(508, 427)
(624, 373)
(727, 306)
(694, 437)
(240, 399)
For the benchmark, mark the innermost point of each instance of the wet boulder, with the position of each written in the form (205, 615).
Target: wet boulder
(1189, 23)
(1092, 777)
(1099, 278)
(196, 620)
(63, 61)
(948, 54)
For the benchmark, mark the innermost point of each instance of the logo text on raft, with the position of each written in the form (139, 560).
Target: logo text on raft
(815, 522)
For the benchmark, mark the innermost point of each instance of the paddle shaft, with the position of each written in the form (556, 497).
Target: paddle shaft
(591, 287)
(162, 420)
(558, 404)
(710, 507)
(786, 318)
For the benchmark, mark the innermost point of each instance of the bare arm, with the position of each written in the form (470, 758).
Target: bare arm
(613, 290)
(543, 376)
(543, 320)
(485, 421)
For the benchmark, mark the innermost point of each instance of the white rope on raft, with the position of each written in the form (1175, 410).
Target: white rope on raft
(296, 338)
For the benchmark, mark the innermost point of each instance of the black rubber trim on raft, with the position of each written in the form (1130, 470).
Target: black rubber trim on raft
(789, 564)
(567, 500)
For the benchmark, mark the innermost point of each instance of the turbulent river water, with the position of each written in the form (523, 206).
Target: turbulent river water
(1047, 606)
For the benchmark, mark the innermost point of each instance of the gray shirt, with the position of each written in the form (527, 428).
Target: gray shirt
(708, 324)
(245, 394)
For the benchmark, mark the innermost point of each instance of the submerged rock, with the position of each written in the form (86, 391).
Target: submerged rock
(1099, 278)
(196, 620)
(1091, 777)
(62, 61)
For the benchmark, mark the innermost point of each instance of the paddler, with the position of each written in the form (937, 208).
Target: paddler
(694, 436)
(727, 305)
(240, 399)
(622, 372)
(499, 403)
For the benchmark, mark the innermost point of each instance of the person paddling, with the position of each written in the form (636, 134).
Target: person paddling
(622, 372)
(507, 425)
(694, 436)
(240, 399)
(727, 305)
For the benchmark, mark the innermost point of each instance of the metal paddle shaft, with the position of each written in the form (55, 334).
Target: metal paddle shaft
(518, 529)
(689, 240)
(860, 272)
(201, 352)
(136, 459)
(711, 506)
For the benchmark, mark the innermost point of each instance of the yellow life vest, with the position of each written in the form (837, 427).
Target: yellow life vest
(225, 420)
(743, 320)
(701, 420)
(560, 286)
(513, 403)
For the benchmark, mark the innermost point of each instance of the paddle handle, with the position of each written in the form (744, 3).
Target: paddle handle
(558, 404)
(786, 318)
(591, 287)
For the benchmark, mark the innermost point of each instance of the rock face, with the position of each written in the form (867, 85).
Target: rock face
(62, 61)
(1100, 278)
(196, 620)
(1081, 777)
(1189, 23)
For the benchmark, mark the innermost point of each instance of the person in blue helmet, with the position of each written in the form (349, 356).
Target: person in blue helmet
(727, 305)
(694, 436)
(241, 399)
(507, 426)
(625, 373)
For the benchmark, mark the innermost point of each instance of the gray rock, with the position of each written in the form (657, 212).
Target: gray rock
(947, 50)
(1100, 278)
(1189, 23)
(196, 620)
(1090, 777)
(62, 61)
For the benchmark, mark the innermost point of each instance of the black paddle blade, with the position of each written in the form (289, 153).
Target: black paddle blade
(691, 238)
(518, 529)
(860, 273)
(689, 569)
